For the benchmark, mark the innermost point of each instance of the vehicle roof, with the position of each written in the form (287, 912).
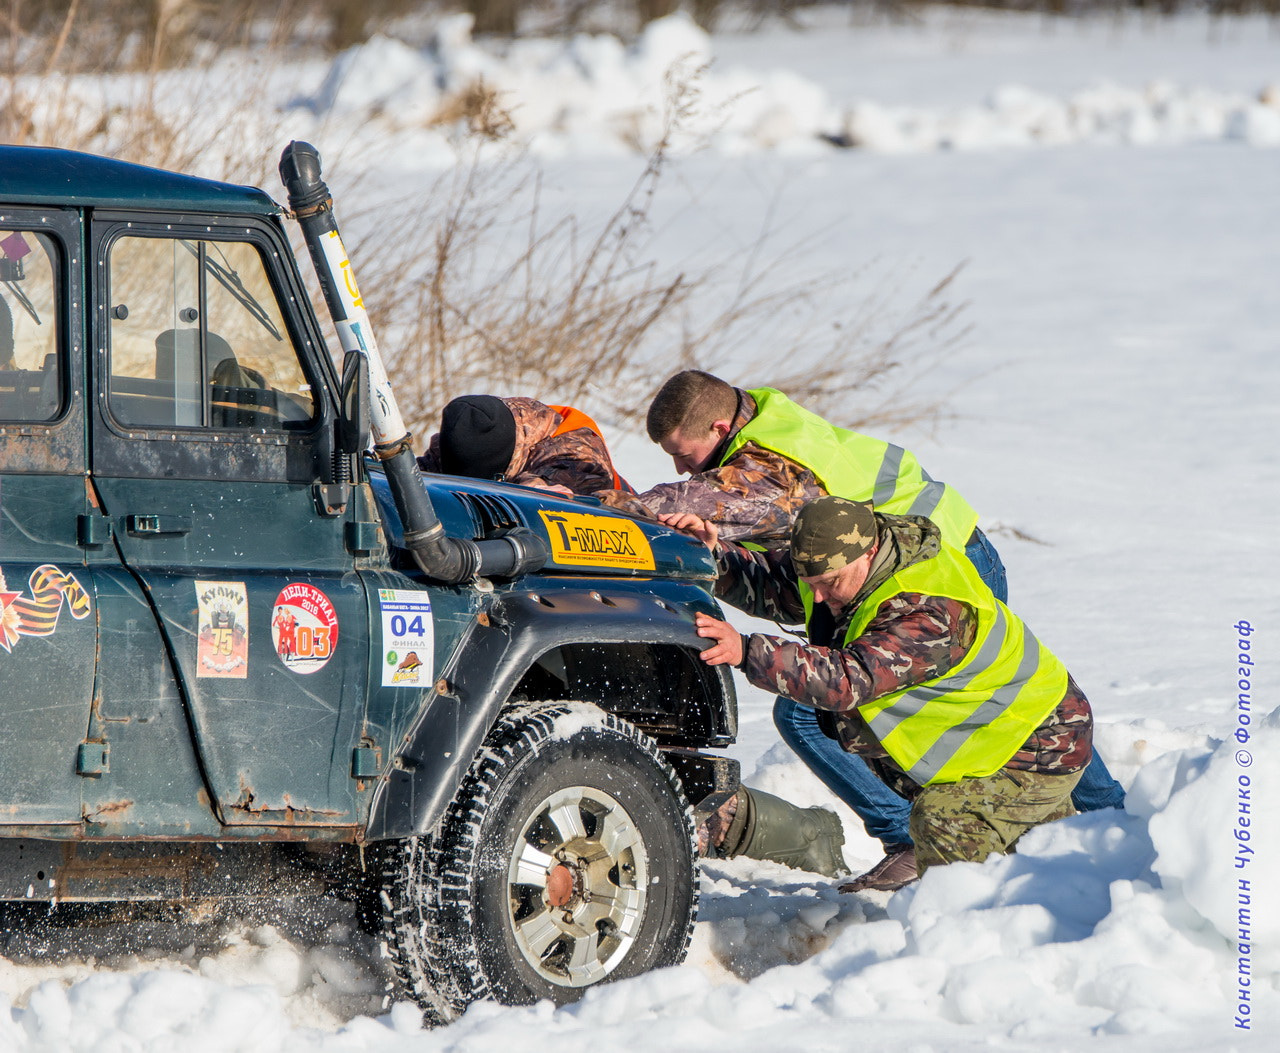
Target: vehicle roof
(37, 175)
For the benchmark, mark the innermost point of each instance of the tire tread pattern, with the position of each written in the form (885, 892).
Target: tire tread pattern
(426, 881)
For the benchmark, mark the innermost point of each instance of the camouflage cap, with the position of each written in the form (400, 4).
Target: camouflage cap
(830, 533)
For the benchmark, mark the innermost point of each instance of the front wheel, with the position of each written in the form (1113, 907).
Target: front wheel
(566, 859)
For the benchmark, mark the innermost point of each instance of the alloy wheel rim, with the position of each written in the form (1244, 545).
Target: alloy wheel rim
(577, 886)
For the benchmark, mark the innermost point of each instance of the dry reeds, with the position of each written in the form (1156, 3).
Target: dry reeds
(476, 289)
(473, 290)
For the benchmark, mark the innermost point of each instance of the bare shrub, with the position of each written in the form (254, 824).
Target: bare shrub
(480, 290)
(562, 315)
(861, 368)
(473, 289)
(142, 124)
(214, 116)
(479, 107)
(132, 35)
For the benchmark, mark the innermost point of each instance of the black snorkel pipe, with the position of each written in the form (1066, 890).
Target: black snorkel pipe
(446, 559)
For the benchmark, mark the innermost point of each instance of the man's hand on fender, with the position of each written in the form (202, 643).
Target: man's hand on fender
(727, 648)
(553, 488)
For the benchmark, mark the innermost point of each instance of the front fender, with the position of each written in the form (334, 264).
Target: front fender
(502, 646)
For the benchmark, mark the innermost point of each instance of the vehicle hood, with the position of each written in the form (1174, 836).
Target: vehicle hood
(582, 535)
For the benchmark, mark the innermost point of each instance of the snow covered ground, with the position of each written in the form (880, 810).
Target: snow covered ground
(1113, 187)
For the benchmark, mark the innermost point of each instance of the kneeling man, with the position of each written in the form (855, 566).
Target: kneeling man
(913, 663)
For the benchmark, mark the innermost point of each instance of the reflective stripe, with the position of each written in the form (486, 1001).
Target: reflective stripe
(970, 722)
(887, 476)
(928, 498)
(950, 741)
(915, 699)
(851, 465)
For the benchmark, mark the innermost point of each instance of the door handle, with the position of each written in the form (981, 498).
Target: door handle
(150, 525)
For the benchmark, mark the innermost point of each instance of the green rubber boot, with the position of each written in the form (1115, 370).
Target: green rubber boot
(767, 827)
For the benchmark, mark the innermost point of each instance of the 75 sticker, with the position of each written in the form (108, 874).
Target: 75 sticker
(222, 629)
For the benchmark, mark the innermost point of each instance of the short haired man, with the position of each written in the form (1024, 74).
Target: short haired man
(929, 676)
(755, 458)
(524, 441)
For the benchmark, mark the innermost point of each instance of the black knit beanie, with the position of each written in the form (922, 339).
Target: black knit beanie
(477, 437)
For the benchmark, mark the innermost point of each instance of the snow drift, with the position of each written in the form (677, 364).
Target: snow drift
(591, 95)
(1103, 924)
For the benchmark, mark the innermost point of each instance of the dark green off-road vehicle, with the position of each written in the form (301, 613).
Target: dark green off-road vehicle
(246, 648)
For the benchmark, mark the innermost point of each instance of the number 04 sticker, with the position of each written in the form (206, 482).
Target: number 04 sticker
(408, 638)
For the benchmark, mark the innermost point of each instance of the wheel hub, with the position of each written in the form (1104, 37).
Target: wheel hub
(577, 883)
(562, 885)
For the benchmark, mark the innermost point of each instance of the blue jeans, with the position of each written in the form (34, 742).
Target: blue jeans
(986, 561)
(883, 812)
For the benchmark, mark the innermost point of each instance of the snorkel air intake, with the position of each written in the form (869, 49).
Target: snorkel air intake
(445, 559)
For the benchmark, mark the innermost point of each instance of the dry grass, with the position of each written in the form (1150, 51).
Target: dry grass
(862, 369)
(476, 289)
(563, 316)
(210, 117)
(472, 289)
(478, 107)
(140, 123)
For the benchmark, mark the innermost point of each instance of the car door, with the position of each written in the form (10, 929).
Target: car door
(211, 429)
(48, 623)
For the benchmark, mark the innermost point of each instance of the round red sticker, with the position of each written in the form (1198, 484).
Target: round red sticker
(304, 628)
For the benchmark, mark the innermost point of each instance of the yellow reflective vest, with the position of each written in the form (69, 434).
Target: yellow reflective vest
(969, 722)
(856, 466)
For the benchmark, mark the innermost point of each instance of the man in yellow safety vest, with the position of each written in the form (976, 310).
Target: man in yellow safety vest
(942, 688)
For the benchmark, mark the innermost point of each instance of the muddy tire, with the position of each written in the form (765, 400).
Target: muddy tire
(566, 860)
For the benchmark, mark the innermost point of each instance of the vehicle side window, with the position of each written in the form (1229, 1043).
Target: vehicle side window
(30, 349)
(197, 339)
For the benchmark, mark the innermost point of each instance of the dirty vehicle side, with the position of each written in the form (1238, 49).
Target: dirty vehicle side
(221, 671)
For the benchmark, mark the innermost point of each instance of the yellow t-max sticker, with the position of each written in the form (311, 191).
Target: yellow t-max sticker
(597, 541)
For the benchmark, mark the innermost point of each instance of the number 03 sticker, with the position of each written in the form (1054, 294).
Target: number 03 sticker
(304, 627)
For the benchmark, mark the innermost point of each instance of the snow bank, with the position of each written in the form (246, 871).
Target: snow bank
(593, 96)
(1218, 838)
(148, 984)
(1159, 114)
(1102, 924)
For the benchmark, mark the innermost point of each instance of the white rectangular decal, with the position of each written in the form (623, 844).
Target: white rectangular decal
(408, 638)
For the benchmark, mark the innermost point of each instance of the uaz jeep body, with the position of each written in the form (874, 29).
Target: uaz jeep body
(239, 654)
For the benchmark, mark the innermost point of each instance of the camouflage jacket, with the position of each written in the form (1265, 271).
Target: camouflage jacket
(753, 497)
(577, 459)
(913, 638)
